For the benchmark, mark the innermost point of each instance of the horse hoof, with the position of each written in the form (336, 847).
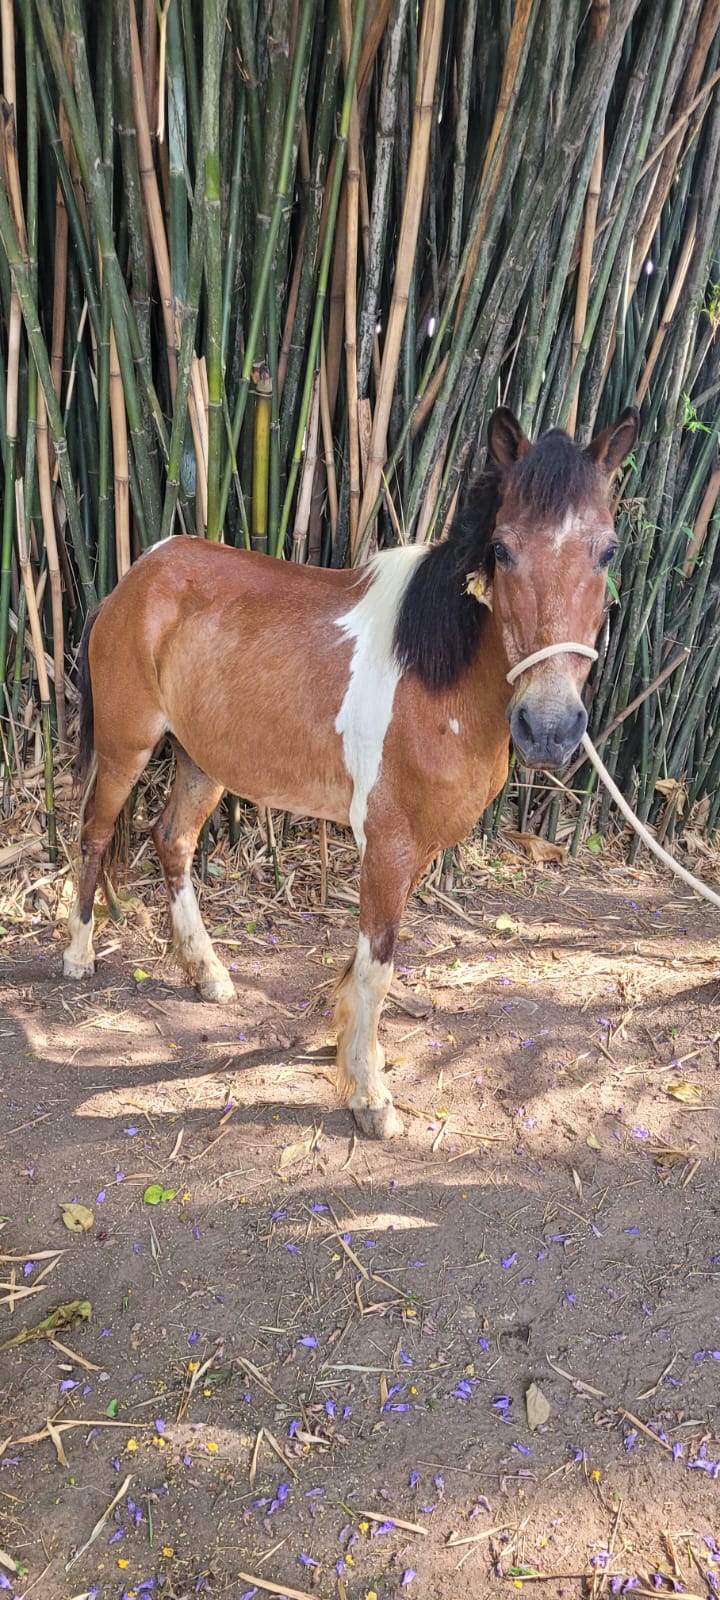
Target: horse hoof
(378, 1122)
(219, 990)
(77, 969)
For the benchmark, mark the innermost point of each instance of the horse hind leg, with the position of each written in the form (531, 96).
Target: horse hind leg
(104, 799)
(193, 797)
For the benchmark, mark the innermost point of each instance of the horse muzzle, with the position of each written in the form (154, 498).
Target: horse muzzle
(546, 734)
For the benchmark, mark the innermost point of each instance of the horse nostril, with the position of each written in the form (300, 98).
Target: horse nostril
(577, 725)
(524, 725)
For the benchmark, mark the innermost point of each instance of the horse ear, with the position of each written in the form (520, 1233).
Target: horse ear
(506, 440)
(611, 447)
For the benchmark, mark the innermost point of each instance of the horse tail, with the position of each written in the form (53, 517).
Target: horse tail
(85, 763)
(85, 773)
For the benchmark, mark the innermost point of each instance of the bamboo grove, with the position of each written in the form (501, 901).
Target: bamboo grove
(267, 265)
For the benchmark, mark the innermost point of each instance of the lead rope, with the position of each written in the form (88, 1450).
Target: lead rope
(602, 772)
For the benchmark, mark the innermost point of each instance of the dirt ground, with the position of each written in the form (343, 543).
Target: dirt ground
(305, 1363)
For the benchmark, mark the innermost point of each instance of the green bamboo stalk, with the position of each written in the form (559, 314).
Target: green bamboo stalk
(324, 273)
(314, 191)
(80, 113)
(132, 187)
(305, 20)
(213, 33)
(670, 18)
(21, 279)
(233, 218)
(465, 60)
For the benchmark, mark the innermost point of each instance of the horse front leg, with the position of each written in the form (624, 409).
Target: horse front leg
(384, 888)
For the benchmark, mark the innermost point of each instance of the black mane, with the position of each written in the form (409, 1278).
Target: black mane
(439, 623)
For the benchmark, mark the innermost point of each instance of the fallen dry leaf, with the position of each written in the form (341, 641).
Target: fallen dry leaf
(295, 1152)
(687, 1092)
(537, 1406)
(538, 849)
(79, 1219)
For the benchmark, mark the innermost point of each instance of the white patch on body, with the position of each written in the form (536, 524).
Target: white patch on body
(454, 725)
(157, 545)
(362, 1059)
(366, 711)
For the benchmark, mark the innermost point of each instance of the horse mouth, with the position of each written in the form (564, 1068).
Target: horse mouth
(547, 738)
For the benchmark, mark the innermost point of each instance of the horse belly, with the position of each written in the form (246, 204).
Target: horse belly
(272, 755)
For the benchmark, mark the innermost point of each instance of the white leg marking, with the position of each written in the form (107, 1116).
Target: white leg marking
(366, 711)
(454, 725)
(194, 949)
(360, 1058)
(79, 957)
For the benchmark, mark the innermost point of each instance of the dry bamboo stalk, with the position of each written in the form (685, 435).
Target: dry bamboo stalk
(197, 412)
(668, 311)
(304, 500)
(149, 54)
(430, 501)
(365, 237)
(352, 186)
(365, 432)
(371, 45)
(70, 691)
(428, 57)
(7, 39)
(336, 300)
(42, 451)
(702, 521)
(36, 634)
(121, 463)
(153, 203)
(686, 99)
(328, 452)
(60, 264)
(160, 124)
(598, 24)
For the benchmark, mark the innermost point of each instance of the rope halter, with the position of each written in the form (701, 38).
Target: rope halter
(546, 652)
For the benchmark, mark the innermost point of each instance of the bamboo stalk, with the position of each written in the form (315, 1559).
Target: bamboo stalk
(151, 194)
(669, 309)
(428, 57)
(598, 23)
(331, 214)
(352, 209)
(303, 35)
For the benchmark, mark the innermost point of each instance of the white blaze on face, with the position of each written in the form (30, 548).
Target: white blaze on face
(366, 711)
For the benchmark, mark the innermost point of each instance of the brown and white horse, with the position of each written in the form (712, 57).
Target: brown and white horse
(379, 699)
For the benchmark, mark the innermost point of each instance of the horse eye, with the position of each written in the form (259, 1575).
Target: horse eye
(501, 553)
(608, 555)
